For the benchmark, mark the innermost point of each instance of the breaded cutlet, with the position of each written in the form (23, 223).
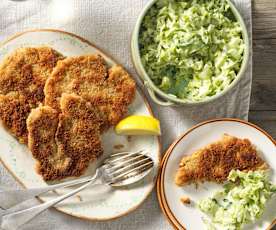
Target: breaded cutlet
(111, 90)
(22, 78)
(215, 161)
(64, 143)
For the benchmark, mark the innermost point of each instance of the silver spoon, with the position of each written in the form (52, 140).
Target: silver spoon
(118, 170)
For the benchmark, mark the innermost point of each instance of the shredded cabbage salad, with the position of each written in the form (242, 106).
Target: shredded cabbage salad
(242, 200)
(192, 49)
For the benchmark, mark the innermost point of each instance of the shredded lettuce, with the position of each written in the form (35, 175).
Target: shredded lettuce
(241, 201)
(192, 49)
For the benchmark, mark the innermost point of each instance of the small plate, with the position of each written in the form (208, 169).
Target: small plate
(96, 202)
(188, 216)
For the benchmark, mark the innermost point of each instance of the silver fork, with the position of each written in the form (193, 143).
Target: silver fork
(117, 170)
(9, 198)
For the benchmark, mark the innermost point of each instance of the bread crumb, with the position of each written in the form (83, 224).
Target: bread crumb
(79, 198)
(185, 200)
(129, 138)
(119, 146)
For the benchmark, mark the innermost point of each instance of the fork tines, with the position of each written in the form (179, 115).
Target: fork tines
(125, 165)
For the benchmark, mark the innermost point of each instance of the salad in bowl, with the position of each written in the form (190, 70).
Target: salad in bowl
(190, 51)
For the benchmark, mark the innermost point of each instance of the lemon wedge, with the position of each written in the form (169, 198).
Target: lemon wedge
(138, 125)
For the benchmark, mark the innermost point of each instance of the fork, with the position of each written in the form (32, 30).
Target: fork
(9, 198)
(117, 170)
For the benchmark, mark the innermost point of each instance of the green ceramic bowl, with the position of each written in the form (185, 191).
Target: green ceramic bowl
(157, 95)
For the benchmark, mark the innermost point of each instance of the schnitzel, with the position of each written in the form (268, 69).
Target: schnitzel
(65, 143)
(22, 78)
(61, 106)
(215, 161)
(83, 98)
(110, 90)
(82, 75)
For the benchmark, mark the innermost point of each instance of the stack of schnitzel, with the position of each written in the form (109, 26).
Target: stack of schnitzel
(60, 106)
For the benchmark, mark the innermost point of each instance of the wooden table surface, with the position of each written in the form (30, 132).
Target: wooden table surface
(263, 98)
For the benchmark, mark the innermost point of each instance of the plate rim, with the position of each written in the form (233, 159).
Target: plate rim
(160, 180)
(91, 44)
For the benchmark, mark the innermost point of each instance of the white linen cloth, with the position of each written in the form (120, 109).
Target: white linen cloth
(108, 24)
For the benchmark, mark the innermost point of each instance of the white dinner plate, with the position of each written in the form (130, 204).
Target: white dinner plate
(188, 216)
(96, 202)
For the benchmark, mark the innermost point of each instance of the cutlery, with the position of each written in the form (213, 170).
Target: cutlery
(119, 169)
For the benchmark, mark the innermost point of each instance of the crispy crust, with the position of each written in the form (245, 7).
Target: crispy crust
(87, 76)
(13, 113)
(22, 78)
(74, 74)
(123, 93)
(64, 143)
(215, 161)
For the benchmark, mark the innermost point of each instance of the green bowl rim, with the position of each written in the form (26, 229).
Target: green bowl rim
(136, 58)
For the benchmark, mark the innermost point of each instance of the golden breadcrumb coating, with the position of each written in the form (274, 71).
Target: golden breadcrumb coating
(111, 90)
(65, 143)
(215, 161)
(22, 78)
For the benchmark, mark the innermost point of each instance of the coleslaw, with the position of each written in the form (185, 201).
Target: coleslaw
(191, 49)
(242, 200)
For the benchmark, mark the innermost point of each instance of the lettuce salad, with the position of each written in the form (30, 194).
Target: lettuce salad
(242, 200)
(191, 49)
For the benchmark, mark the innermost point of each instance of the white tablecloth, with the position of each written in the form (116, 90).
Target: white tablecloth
(109, 23)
